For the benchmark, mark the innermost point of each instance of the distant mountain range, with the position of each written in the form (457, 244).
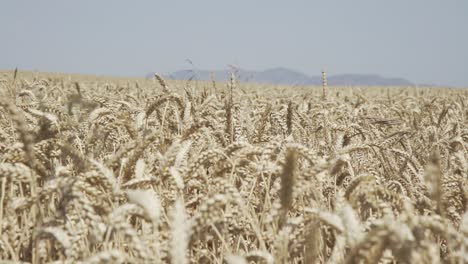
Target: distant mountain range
(286, 76)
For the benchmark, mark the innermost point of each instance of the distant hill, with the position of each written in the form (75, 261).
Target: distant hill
(289, 77)
(367, 79)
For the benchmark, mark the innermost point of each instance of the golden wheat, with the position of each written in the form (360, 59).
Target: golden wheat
(97, 170)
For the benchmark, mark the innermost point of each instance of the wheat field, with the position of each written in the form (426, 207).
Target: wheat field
(108, 170)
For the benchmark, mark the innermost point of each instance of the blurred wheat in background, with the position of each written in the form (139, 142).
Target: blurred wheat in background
(97, 170)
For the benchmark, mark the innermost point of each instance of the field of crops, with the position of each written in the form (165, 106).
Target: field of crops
(96, 170)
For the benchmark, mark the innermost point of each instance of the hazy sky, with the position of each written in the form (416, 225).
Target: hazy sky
(425, 41)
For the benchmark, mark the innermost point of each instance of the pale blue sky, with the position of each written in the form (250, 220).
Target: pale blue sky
(425, 41)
